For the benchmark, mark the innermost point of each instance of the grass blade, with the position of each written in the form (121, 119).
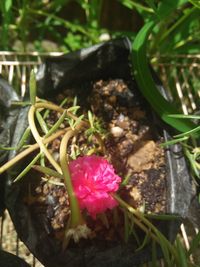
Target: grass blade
(195, 130)
(147, 85)
(32, 86)
(183, 261)
(174, 141)
(154, 255)
(164, 217)
(182, 116)
(165, 249)
(145, 242)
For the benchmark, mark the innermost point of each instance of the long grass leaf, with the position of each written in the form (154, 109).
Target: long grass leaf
(182, 255)
(147, 85)
(154, 254)
(183, 116)
(165, 250)
(164, 217)
(174, 141)
(195, 130)
(145, 242)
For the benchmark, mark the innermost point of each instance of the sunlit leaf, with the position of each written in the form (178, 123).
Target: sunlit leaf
(182, 253)
(195, 3)
(8, 5)
(148, 86)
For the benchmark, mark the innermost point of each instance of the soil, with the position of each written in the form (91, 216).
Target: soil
(132, 145)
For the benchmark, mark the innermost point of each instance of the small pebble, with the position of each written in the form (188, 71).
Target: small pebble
(117, 131)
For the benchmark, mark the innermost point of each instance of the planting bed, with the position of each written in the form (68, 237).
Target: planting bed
(132, 145)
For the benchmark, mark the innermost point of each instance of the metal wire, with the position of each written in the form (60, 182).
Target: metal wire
(179, 74)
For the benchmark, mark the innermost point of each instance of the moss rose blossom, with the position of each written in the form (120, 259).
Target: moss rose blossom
(93, 179)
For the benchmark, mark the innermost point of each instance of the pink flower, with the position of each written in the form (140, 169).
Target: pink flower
(93, 178)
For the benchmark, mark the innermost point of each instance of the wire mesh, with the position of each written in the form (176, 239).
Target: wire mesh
(16, 67)
(179, 74)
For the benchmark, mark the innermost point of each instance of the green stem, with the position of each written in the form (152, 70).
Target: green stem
(45, 140)
(76, 216)
(30, 149)
(51, 106)
(40, 140)
(142, 218)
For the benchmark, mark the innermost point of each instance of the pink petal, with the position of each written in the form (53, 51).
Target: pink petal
(93, 179)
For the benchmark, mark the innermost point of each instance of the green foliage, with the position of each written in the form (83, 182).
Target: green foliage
(179, 32)
(147, 85)
(19, 25)
(5, 7)
(195, 3)
(171, 27)
(176, 32)
(174, 28)
(178, 26)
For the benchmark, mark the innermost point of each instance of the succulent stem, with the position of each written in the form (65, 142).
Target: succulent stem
(76, 216)
(30, 149)
(39, 140)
